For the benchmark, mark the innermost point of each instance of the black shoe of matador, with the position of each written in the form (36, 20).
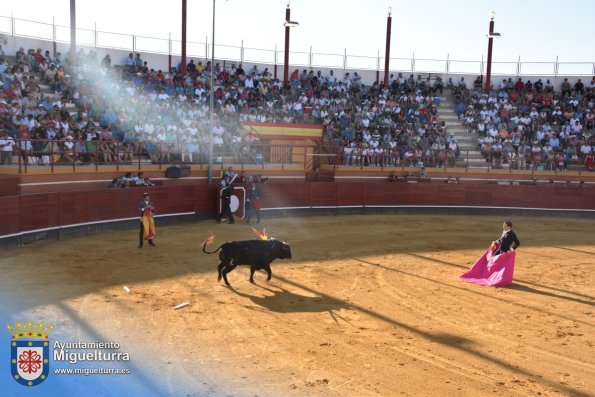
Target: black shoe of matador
(152, 243)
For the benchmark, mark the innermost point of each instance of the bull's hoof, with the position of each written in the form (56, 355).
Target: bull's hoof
(252, 281)
(219, 278)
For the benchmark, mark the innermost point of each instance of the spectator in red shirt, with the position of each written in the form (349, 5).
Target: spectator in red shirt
(519, 86)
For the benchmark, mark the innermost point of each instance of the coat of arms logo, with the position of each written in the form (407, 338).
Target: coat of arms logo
(29, 352)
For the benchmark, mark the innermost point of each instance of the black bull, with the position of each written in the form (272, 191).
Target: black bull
(258, 254)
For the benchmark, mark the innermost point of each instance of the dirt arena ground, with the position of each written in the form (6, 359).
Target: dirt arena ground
(368, 306)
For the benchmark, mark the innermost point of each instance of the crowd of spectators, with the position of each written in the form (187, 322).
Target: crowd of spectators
(104, 113)
(128, 180)
(130, 109)
(531, 125)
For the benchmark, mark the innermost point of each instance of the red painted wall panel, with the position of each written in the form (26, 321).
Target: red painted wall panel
(9, 185)
(322, 196)
(350, 194)
(10, 221)
(278, 195)
(39, 211)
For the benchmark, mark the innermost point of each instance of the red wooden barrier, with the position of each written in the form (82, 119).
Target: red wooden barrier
(40, 211)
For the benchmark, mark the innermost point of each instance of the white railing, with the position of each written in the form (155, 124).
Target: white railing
(16, 27)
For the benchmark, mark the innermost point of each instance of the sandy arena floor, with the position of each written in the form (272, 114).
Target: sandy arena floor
(368, 306)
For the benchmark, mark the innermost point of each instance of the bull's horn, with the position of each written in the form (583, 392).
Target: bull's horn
(263, 235)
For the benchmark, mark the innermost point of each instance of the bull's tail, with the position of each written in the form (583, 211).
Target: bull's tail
(204, 246)
(208, 241)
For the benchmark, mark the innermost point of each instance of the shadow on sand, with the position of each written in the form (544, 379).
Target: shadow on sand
(284, 301)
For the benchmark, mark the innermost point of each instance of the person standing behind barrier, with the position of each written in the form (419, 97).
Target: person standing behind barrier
(253, 204)
(226, 194)
(146, 208)
(7, 144)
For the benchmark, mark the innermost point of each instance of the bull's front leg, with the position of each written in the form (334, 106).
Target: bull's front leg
(252, 270)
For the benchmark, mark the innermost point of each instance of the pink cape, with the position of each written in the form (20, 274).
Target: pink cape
(492, 270)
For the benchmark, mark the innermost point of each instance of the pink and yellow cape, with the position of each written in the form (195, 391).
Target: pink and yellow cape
(148, 223)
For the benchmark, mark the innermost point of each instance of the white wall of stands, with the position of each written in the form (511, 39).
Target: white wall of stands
(157, 61)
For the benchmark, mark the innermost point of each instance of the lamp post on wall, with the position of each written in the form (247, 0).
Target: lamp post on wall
(288, 24)
(72, 32)
(491, 36)
(184, 14)
(389, 21)
(211, 100)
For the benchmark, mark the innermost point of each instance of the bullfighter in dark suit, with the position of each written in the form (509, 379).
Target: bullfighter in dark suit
(226, 194)
(253, 204)
(508, 241)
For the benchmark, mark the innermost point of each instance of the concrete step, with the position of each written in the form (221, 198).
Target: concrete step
(454, 121)
(462, 134)
(472, 152)
(467, 144)
(471, 149)
(477, 161)
(476, 157)
(458, 131)
(466, 140)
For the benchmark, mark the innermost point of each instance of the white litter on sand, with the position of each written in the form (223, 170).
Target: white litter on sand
(181, 305)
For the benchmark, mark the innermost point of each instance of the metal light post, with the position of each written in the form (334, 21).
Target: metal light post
(288, 24)
(72, 32)
(389, 21)
(211, 101)
(491, 36)
(184, 14)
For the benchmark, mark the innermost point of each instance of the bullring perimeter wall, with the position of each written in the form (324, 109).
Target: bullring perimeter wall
(29, 217)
